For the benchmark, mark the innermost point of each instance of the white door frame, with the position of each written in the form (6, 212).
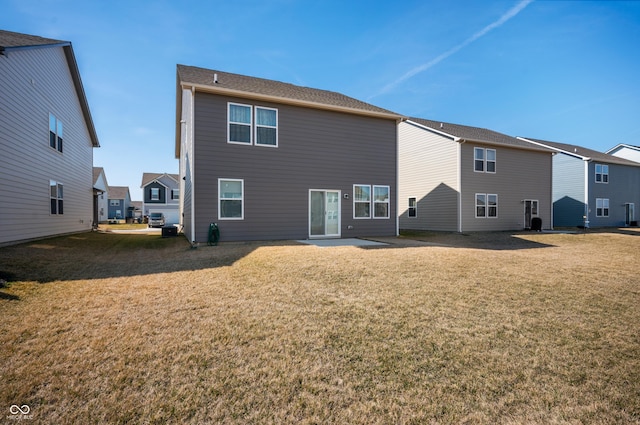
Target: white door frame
(537, 214)
(325, 212)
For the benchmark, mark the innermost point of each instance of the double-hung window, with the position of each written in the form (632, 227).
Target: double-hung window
(380, 201)
(602, 207)
(56, 195)
(240, 124)
(230, 199)
(155, 193)
(484, 160)
(361, 201)
(244, 129)
(266, 126)
(55, 133)
(175, 194)
(602, 173)
(486, 205)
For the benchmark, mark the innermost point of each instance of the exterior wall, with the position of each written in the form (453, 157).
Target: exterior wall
(34, 83)
(316, 150)
(103, 198)
(568, 191)
(623, 187)
(428, 172)
(520, 175)
(123, 207)
(186, 166)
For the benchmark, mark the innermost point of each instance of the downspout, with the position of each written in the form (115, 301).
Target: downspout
(460, 142)
(192, 147)
(586, 193)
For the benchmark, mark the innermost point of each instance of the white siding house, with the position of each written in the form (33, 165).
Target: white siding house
(47, 138)
(101, 193)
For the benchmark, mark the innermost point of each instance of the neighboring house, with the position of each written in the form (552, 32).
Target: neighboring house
(591, 188)
(100, 195)
(458, 178)
(47, 138)
(119, 203)
(271, 160)
(629, 152)
(161, 193)
(136, 206)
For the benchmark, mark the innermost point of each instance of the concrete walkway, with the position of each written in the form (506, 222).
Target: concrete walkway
(326, 243)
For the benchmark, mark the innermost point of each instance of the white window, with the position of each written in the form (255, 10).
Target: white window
(266, 126)
(602, 173)
(56, 195)
(114, 202)
(486, 205)
(484, 160)
(230, 199)
(602, 207)
(380, 201)
(175, 193)
(240, 124)
(413, 208)
(155, 193)
(55, 133)
(361, 201)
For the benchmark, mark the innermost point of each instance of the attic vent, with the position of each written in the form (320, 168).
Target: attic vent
(215, 78)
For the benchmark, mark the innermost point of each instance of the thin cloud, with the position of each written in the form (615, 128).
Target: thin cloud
(503, 19)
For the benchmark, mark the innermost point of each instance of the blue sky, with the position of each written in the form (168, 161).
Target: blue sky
(567, 71)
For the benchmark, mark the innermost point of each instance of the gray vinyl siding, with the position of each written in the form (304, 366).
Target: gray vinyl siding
(623, 187)
(520, 174)
(316, 150)
(428, 171)
(34, 83)
(568, 191)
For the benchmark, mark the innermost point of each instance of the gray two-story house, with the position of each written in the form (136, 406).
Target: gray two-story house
(47, 137)
(161, 194)
(460, 178)
(270, 160)
(591, 188)
(119, 204)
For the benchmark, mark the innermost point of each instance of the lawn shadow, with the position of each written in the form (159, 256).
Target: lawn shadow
(96, 255)
(495, 241)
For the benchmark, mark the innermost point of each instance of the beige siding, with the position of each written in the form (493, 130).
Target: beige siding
(35, 83)
(428, 172)
(520, 174)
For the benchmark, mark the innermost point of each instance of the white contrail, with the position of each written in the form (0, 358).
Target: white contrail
(504, 18)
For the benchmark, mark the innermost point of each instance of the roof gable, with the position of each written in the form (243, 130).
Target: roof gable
(16, 41)
(151, 177)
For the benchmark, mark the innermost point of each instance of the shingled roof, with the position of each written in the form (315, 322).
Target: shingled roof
(583, 153)
(13, 41)
(149, 177)
(252, 87)
(476, 134)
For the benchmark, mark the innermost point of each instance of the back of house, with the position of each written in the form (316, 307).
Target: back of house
(269, 160)
(47, 138)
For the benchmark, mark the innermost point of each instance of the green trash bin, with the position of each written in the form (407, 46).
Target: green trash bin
(214, 234)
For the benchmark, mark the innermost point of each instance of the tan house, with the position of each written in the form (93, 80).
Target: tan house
(47, 138)
(458, 178)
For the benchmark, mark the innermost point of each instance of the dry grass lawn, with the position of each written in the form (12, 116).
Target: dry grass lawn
(433, 329)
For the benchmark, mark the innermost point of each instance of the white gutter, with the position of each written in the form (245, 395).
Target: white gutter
(459, 188)
(192, 165)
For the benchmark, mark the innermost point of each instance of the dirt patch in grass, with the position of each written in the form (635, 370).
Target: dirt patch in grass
(103, 328)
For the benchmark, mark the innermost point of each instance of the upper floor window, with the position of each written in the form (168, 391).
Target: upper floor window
(175, 193)
(56, 196)
(114, 202)
(266, 126)
(602, 173)
(484, 160)
(155, 193)
(239, 123)
(242, 130)
(55, 133)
